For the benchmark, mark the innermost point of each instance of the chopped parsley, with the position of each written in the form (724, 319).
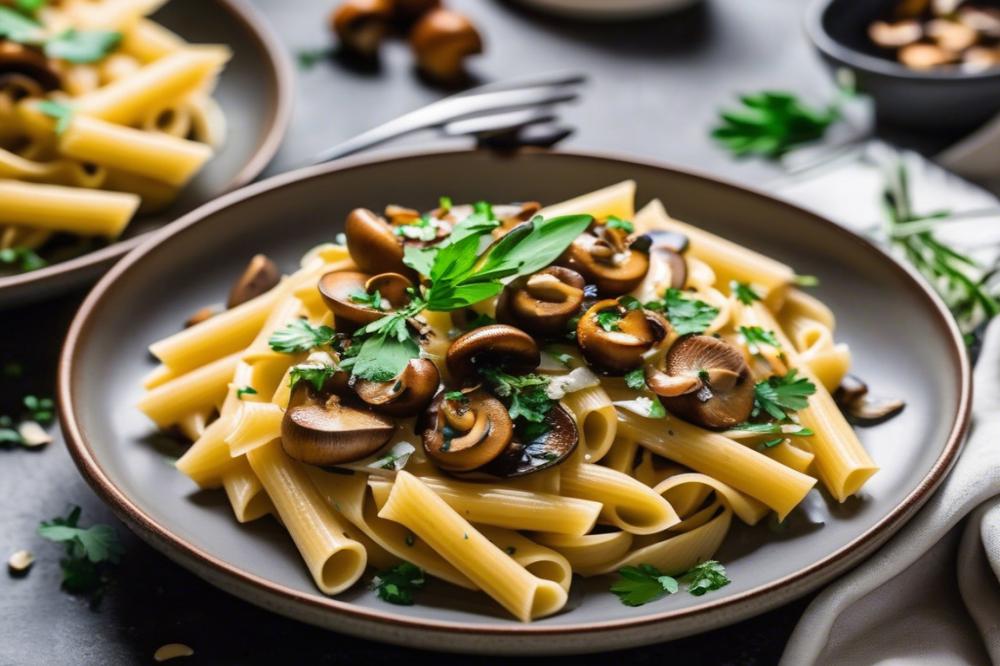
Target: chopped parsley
(630, 302)
(615, 222)
(423, 230)
(39, 410)
(444, 203)
(300, 336)
(90, 552)
(782, 394)
(397, 585)
(22, 258)
(526, 394)
(744, 292)
(315, 373)
(245, 390)
(63, 113)
(755, 336)
(82, 46)
(687, 315)
(636, 379)
(608, 319)
(771, 428)
(372, 300)
(456, 395)
(772, 123)
(642, 584)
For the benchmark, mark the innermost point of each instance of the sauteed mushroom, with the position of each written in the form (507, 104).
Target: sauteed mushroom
(260, 276)
(925, 56)
(362, 24)
(319, 429)
(542, 303)
(632, 333)
(405, 395)
(672, 240)
(373, 244)
(462, 435)
(610, 259)
(27, 70)
(441, 41)
(341, 290)
(704, 380)
(895, 35)
(498, 344)
(951, 35)
(547, 450)
(853, 399)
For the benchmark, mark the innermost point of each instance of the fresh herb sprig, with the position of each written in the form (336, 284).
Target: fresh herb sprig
(90, 553)
(23, 259)
(744, 292)
(529, 402)
(300, 336)
(397, 585)
(75, 46)
(772, 123)
(781, 395)
(639, 585)
(686, 314)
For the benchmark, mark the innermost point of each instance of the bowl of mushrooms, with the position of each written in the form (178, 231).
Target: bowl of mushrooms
(928, 64)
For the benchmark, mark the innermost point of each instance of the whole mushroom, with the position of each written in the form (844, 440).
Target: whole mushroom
(609, 258)
(373, 244)
(260, 276)
(441, 40)
(704, 380)
(26, 72)
(631, 335)
(361, 25)
(542, 303)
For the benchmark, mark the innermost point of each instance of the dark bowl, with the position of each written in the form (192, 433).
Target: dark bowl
(938, 100)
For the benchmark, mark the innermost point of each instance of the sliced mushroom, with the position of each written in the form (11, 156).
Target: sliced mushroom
(373, 244)
(621, 349)
(610, 259)
(895, 35)
(27, 70)
(337, 288)
(405, 395)
(542, 303)
(547, 450)
(463, 435)
(496, 345)
(319, 429)
(394, 288)
(951, 35)
(861, 409)
(441, 41)
(362, 24)
(724, 392)
(511, 215)
(925, 56)
(672, 240)
(979, 58)
(260, 276)
(985, 20)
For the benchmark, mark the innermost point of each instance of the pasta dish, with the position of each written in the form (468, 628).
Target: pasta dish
(103, 113)
(503, 396)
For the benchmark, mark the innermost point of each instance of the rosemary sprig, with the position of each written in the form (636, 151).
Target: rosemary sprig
(964, 283)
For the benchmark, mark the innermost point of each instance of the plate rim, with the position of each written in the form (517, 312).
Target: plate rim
(259, 31)
(794, 584)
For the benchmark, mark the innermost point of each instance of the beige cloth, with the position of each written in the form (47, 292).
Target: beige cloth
(932, 594)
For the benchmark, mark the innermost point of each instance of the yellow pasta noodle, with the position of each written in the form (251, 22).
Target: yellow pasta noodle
(58, 208)
(628, 504)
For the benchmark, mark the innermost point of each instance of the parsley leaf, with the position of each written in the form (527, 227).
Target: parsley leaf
(756, 336)
(615, 222)
(300, 336)
(423, 230)
(384, 356)
(89, 551)
(531, 246)
(39, 410)
(63, 113)
(640, 585)
(706, 577)
(396, 585)
(608, 319)
(372, 300)
(455, 395)
(779, 395)
(246, 390)
(687, 315)
(29, 7)
(444, 203)
(25, 259)
(82, 46)
(743, 292)
(19, 28)
(636, 379)
(315, 373)
(526, 393)
(771, 124)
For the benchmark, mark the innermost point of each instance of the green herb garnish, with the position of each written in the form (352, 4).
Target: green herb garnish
(687, 315)
(781, 395)
(23, 258)
(772, 123)
(398, 584)
(82, 46)
(642, 584)
(39, 410)
(89, 552)
(456, 395)
(706, 577)
(63, 113)
(614, 222)
(246, 390)
(315, 373)
(743, 292)
(444, 203)
(372, 300)
(608, 319)
(756, 336)
(636, 379)
(525, 393)
(300, 336)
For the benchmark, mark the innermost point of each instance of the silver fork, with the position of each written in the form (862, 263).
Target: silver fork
(490, 108)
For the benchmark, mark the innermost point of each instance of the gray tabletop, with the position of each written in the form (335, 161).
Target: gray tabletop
(655, 87)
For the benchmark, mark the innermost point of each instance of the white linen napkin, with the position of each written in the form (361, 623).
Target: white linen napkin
(932, 594)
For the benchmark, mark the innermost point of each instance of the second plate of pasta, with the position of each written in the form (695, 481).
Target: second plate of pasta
(553, 403)
(118, 116)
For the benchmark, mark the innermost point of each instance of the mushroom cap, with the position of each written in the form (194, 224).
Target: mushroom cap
(548, 450)
(620, 350)
(491, 431)
(324, 431)
(951, 35)
(441, 40)
(542, 303)
(895, 35)
(925, 56)
(609, 260)
(31, 63)
(361, 24)
(336, 288)
(717, 404)
(260, 276)
(406, 395)
(498, 344)
(392, 286)
(674, 262)
(372, 243)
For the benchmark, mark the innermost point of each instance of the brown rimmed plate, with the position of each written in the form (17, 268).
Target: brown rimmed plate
(255, 92)
(903, 341)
